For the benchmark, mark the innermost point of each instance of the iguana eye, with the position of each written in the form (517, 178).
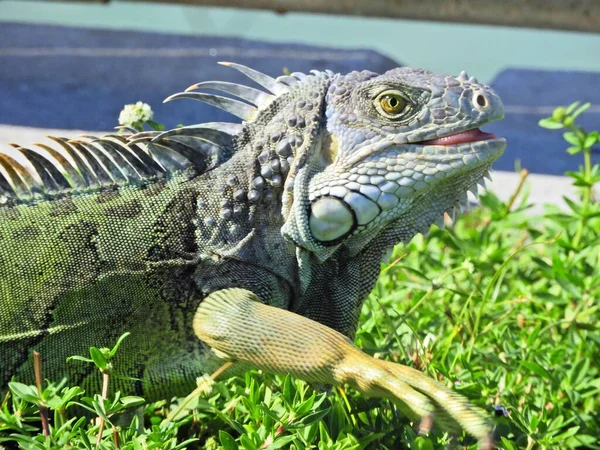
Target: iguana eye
(391, 104)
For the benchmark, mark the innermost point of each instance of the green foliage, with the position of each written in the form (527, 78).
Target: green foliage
(503, 305)
(101, 357)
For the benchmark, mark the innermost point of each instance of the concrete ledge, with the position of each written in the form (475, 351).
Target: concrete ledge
(541, 189)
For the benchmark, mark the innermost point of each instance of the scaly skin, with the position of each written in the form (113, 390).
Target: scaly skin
(230, 320)
(294, 207)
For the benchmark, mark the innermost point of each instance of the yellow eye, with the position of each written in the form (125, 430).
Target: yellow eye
(392, 104)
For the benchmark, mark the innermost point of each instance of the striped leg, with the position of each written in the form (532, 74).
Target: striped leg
(235, 322)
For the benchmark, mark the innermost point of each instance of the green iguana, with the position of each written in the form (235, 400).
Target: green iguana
(261, 238)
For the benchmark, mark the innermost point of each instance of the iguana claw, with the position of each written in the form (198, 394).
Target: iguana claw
(236, 322)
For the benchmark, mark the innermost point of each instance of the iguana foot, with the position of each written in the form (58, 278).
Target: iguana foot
(234, 321)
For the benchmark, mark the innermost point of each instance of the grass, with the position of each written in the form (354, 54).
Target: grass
(502, 305)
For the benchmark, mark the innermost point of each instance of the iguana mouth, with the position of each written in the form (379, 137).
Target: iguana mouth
(471, 136)
(463, 137)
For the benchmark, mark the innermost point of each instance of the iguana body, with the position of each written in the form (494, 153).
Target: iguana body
(296, 207)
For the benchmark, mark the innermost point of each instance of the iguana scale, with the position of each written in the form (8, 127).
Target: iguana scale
(261, 238)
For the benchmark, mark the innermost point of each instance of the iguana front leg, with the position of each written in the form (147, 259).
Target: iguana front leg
(234, 321)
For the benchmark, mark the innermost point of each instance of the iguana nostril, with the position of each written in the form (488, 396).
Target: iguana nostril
(330, 219)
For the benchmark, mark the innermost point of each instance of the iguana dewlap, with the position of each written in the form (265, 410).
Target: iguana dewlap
(261, 238)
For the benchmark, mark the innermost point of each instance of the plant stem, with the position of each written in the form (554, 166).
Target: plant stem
(524, 173)
(37, 367)
(105, 378)
(587, 167)
(195, 393)
(587, 190)
(586, 197)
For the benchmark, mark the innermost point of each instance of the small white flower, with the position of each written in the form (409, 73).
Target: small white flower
(205, 383)
(135, 113)
(468, 265)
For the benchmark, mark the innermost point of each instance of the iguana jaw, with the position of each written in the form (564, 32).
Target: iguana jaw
(460, 141)
(412, 172)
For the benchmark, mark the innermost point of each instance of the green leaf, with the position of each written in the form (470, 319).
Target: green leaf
(98, 358)
(248, 443)
(550, 124)
(591, 139)
(99, 406)
(422, 443)
(572, 138)
(579, 110)
(324, 434)
(574, 150)
(571, 107)
(23, 391)
(227, 440)
(556, 423)
(232, 423)
(508, 445)
(559, 114)
(581, 441)
(305, 406)
(79, 358)
(139, 125)
(311, 418)
(289, 390)
(309, 433)
(531, 338)
(155, 125)
(537, 369)
(132, 400)
(579, 372)
(413, 271)
(118, 344)
(567, 434)
(579, 178)
(282, 442)
(575, 207)
(185, 444)
(534, 420)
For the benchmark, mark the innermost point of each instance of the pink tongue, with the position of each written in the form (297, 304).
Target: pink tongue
(461, 138)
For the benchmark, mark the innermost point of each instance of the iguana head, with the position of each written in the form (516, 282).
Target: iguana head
(397, 151)
(359, 156)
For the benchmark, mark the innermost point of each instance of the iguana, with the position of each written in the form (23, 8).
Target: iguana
(261, 238)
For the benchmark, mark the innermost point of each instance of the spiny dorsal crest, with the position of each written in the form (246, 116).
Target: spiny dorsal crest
(89, 164)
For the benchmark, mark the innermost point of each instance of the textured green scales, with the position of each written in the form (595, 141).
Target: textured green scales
(81, 271)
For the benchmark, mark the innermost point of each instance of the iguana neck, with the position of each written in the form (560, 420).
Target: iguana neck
(260, 176)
